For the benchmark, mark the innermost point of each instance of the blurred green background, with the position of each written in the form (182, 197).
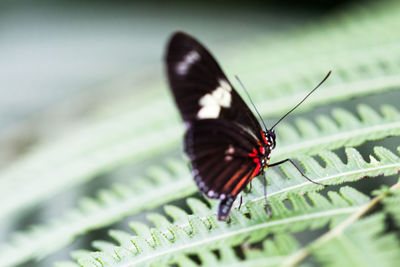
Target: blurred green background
(73, 71)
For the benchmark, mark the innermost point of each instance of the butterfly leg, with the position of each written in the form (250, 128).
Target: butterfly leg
(240, 202)
(249, 188)
(291, 161)
(267, 207)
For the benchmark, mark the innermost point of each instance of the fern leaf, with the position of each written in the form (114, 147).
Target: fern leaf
(109, 207)
(336, 172)
(62, 230)
(344, 130)
(355, 241)
(362, 244)
(200, 234)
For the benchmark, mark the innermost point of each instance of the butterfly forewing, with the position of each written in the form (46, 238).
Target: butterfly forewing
(200, 88)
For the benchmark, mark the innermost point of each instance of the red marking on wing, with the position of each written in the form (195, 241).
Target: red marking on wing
(232, 179)
(256, 170)
(263, 136)
(239, 185)
(246, 178)
(255, 160)
(253, 154)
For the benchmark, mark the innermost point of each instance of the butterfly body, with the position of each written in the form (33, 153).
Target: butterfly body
(224, 141)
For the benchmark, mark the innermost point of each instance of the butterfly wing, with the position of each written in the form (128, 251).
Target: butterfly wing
(200, 88)
(223, 138)
(224, 157)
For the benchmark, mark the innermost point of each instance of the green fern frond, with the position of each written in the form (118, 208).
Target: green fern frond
(362, 244)
(355, 241)
(345, 129)
(336, 172)
(160, 186)
(94, 213)
(154, 246)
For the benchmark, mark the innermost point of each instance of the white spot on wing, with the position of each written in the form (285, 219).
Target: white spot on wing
(224, 84)
(210, 107)
(222, 96)
(230, 150)
(211, 103)
(183, 66)
(208, 100)
(228, 157)
(210, 193)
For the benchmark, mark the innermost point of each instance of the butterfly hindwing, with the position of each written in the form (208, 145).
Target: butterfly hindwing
(200, 88)
(224, 158)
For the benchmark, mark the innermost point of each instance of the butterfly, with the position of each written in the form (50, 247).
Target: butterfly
(224, 141)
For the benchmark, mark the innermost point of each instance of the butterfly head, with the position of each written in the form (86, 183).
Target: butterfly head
(270, 137)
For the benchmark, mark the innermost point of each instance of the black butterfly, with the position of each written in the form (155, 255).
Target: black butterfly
(225, 143)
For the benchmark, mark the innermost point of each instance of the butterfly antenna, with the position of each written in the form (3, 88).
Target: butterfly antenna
(251, 101)
(312, 91)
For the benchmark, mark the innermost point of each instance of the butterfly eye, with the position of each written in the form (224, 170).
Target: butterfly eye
(271, 138)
